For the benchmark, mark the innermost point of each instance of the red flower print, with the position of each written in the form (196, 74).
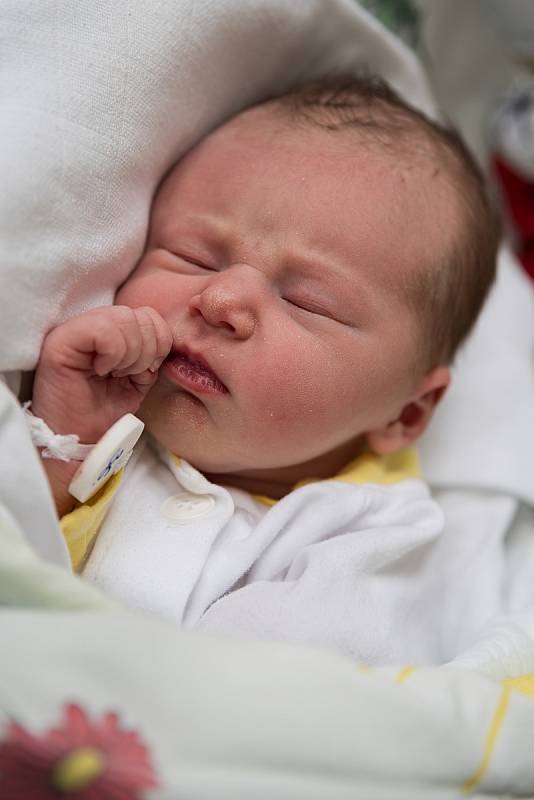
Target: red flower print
(79, 760)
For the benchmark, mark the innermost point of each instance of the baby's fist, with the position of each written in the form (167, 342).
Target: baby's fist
(98, 366)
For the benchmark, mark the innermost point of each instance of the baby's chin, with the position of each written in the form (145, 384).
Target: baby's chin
(182, 435)
(174, 418)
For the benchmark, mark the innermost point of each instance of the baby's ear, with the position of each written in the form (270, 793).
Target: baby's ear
(414, 417)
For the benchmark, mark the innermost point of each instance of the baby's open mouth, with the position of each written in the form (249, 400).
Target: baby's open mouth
(192, 373)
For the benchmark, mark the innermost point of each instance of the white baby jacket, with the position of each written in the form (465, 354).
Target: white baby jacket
(332, 563)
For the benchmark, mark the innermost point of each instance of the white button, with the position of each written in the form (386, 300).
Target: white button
(108, 456)
(184, 506)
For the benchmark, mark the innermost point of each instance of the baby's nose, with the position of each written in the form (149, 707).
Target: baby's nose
(232, 300)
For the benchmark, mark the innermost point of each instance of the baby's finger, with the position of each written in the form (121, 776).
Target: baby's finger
(118, 341)
(164, 338)
(144, 380)
(109, 347)
(148, 349)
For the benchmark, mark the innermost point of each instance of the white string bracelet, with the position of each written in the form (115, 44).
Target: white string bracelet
(62, 447)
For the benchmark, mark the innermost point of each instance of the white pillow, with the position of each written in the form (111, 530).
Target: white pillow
(99, 99)
(482, 435)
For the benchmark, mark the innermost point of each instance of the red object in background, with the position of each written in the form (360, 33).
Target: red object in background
(518, 196)
(80, 760)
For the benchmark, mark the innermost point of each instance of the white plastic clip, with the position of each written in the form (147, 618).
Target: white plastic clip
(108, 456)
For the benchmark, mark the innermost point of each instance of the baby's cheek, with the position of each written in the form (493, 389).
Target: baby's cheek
(293, 398)
(128, 293)
(145, 291)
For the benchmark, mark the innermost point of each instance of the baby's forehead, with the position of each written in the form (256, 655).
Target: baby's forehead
(408, 157)
(409, 179)
(405, 148)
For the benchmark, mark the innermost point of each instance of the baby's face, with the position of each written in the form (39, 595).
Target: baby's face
(281, 263)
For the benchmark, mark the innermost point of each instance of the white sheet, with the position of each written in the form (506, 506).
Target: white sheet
(482, 436)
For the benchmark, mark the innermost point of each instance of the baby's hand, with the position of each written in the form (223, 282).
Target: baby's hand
(97, 367)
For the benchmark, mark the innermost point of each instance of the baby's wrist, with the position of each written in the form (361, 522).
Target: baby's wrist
(87, 430)
(77, 470)
(61, 455)
(63, 447)
(60, 474)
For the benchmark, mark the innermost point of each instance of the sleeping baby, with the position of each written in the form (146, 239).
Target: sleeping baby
(311, 268)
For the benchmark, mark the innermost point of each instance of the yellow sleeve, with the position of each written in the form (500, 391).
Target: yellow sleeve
(81, 525)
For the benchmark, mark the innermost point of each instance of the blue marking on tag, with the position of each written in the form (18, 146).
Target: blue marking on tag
(109, 466)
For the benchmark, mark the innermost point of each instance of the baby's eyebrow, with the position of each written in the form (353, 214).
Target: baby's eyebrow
(315, 266)
(326, 271)
(203, 225)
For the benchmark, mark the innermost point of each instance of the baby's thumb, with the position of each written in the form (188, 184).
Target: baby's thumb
(144, 380)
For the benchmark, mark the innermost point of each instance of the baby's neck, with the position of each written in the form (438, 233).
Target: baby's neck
(278, 482)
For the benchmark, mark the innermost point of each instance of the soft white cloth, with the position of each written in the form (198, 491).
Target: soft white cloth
(237, 720)
(332, 564)
(367, 570)
(24, 493)
(482, 435)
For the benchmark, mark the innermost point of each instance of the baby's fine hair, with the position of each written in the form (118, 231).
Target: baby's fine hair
(448, 295)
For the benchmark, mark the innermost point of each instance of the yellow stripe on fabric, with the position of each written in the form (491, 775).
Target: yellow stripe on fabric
(369, 468)
(264, 500)
(491, 738)
(403, 674)
(384, 470)
(81, 526)
(523, 684)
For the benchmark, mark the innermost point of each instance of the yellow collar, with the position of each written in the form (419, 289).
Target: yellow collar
(369, 468)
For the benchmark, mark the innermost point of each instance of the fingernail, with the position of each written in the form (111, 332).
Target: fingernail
(156, 365)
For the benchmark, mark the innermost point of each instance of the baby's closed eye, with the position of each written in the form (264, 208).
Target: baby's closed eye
(194, 261)
(310, 306)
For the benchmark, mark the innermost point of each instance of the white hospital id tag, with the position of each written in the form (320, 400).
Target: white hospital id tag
(108, 456)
